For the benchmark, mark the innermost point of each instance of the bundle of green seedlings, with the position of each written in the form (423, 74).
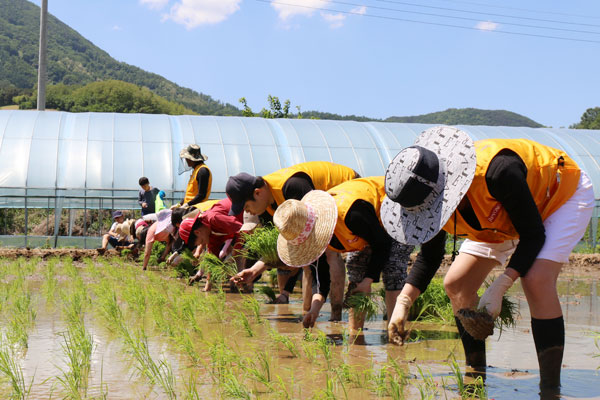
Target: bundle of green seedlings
(262, 243)
(187, 266)
(268, 292)
(218, 270)
(363, 303)
(508, 311)
(433, 305)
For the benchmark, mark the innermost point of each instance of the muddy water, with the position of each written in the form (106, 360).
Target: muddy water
(512, 372)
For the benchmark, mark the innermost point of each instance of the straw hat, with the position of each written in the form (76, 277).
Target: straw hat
(193, 153)
(124, 228)
(425, 182)
(305, 227)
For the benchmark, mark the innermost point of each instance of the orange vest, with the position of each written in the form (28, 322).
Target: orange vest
(371, 190)
(552, 177)
(192, 186)
(324, 176)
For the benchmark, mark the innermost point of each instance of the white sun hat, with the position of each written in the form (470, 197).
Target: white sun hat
(425, 182)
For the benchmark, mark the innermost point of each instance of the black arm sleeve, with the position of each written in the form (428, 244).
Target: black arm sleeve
(428, 262)
(140, 198)
(506, 179)
(297, 186)
(202, 177)
(291, 282)
(362, 221)
(321, 281)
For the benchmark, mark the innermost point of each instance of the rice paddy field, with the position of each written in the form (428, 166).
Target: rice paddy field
(103, 329)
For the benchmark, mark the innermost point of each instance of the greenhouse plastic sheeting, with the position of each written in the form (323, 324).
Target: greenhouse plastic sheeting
(103, 154)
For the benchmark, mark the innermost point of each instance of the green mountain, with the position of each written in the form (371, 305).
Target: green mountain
(72, 59)
(470, 116)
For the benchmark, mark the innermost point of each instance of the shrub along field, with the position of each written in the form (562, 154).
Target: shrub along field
(174, 341)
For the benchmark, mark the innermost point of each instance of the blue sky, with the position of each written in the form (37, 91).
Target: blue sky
(337, 56)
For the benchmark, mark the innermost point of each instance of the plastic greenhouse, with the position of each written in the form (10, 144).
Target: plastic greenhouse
(88, 164)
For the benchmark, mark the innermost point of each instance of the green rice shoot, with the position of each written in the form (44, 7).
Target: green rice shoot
(268, 292)
(363, 303)
(433, 305)
(218, 270)
(262, 243)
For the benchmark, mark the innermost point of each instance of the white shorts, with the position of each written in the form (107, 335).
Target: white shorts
(564, 229)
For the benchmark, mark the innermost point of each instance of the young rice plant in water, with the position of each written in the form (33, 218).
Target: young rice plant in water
(262, 243)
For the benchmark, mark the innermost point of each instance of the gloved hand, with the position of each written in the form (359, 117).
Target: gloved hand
(492, 297)
(396, 327)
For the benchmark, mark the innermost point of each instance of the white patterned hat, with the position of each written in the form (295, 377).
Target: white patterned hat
(425, 182)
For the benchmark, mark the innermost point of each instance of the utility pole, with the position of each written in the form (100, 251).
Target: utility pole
(42, 76)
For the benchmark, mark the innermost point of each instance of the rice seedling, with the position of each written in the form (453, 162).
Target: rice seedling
(234, 388)
(262, 243)
(187, 266)
(466, 390)
(259, 370)
(508, 312)
(22, 317)
(219, 271)
(363, 304)
(242, 321)
(191, 389)
(428, 389)
(159, 372)
(252, 305)
(323, 343)
(12, 372)
(285, 341)
(135, 297)
(269, 293)
(50, 281)
(77, 346)
(433, 305)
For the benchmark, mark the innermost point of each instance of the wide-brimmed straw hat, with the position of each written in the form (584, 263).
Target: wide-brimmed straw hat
(124, 228)
(305, 227)
(425, 182)
(193, 153)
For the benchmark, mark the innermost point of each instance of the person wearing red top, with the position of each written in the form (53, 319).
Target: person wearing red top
(211, 229)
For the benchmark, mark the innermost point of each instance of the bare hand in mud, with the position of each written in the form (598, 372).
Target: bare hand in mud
(242, 277)
(309, 320)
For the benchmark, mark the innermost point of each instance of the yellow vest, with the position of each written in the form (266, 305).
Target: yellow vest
(192, 186)
(552, 177)
(324, 176)
(205, 205)
(371, 190)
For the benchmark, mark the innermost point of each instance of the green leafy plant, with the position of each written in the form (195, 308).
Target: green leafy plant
(218, 270)
(268, 292)
(262, 243)
(363, 303)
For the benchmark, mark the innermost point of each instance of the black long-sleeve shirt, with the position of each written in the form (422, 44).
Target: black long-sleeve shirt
(148, 198)
(506, 179)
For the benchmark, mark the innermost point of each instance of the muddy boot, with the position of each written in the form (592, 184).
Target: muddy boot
(549, 338)
(550, 361)
(474, 351)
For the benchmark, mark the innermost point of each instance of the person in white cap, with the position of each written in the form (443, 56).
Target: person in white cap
(510, 198)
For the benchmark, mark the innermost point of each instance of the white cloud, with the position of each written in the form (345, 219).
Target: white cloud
(193, 13)
(286, 11)
(154, 4)
(335, 20)
(487, 26)
(117, 28)
(362, 10)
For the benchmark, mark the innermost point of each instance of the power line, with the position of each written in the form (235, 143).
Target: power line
(465, 18)
(427, 23)
(522, 9)
(485, 13)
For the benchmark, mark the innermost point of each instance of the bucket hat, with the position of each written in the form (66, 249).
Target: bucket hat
(425, 182)
(193, 153)
(305, 227)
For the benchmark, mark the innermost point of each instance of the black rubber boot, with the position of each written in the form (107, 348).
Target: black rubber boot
(549, 338)
(474, 349)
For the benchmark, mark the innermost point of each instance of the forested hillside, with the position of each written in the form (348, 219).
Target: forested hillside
(72, 59)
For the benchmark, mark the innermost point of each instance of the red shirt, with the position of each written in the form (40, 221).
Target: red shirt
(222, 225)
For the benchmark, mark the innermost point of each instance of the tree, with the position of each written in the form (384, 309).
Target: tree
(275, 109)
(589, 120)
